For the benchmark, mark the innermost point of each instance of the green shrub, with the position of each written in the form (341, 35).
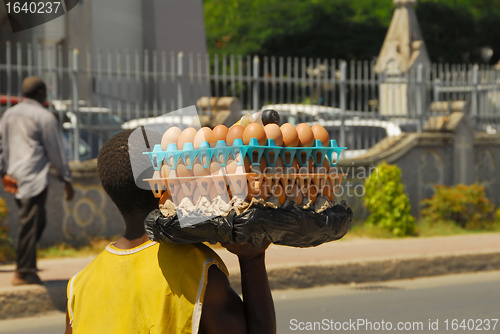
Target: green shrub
(3, 213)
(388, 204)
(7, 252)
(465, 205)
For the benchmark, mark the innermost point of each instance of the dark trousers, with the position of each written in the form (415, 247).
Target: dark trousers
(32, 220)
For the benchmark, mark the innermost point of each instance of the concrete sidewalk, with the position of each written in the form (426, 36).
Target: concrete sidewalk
(344, 261)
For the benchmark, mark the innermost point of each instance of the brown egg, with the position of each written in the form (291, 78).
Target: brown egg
(264, 191)
(295, 167)
(171, 136)
(311, 193)
(279, 165)
(204, 184)
(320, 133)
(165, 171)
(187, 136)
(290, 135)
(288, 187)
(328, 192)
(311, 165)
(247, 164)
(272, 158)
(204, 134)
(256, 189)
(198, 169)
(279, 192)
(179, 197)
(254, 130)
(220, 184)
(235, 132)
(182, 170)
(326, 166)
(196, 195)
(263, 165)
(219, 133)
(252, 190)
(238, 184)
(214, 167)
(306, 136)
(307, 164)
(231, 166)
(164, 198)
(296, 195)
(273, 132)
(173, 190)
(213, 194)
(255, 168)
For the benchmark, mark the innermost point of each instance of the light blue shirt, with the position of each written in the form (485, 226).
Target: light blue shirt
(30, 142)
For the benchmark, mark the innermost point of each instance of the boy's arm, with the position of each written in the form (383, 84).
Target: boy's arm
(69, 329)
(224, 312)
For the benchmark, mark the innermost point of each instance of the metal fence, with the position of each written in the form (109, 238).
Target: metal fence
(93, 91)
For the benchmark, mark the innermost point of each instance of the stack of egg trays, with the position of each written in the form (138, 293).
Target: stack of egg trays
(254, 152)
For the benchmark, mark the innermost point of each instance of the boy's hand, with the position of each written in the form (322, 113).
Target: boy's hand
(246, 251)
(9, 184)
(68, 189)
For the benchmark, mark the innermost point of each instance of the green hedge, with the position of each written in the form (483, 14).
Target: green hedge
(465, 205)
(388, 203)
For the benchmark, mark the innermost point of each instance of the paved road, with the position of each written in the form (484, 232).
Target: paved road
(414, 304)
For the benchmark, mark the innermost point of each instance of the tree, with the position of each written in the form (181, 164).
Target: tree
(454, 30)
(450, 32)
(488, 33)
(320, 28)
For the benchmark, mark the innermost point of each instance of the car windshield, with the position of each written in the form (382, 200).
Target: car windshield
(89, 118)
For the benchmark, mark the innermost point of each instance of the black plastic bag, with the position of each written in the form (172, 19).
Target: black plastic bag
(290, 226)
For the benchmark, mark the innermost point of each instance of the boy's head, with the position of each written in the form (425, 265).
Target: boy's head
(35, 88)
(115, 172)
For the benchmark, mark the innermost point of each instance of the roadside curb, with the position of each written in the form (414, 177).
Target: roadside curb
(375, 270)
(31, 300)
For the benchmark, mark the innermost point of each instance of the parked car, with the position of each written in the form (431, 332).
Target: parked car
(95, 124)
(302, 113)
(162, 122)
(360, 134)
(182, 118)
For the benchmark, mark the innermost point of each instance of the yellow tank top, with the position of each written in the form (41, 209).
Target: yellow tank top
(153, 288)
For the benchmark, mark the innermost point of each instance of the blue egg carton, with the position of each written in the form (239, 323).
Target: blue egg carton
(253, 151)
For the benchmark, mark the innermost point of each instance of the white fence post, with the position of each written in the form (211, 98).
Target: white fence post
(343, 97)
(9, 71)
(179, 80)
(256, 83)
(75, 98)
(420, 96)
(19, 60)
(474, 100)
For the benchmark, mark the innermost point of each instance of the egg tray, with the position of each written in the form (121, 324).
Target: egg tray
(241, 183)
(253, 151)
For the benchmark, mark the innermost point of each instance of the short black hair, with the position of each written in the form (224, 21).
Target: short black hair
(33, 87)
(117, 178)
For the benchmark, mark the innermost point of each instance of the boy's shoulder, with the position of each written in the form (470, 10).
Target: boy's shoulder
(198, 255)
(187, 251)
(152, 254)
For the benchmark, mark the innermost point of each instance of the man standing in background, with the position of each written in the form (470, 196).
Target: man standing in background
(30, 142)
